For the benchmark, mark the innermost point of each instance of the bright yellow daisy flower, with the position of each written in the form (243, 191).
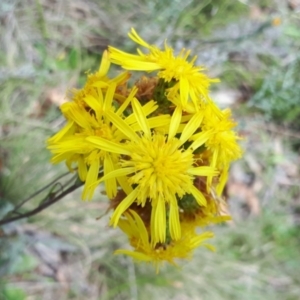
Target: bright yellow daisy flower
(189, 81)
(159, 169)
(91, 121)
(214, 212)
(133, 226)
(221, 147)
(70, 144)
(100, 80)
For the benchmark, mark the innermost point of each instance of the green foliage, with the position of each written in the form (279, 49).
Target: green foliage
(278, 97)
(201, 17)
(13, 260)
(13, 293)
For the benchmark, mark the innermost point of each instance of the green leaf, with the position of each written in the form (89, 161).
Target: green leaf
(11, 293)
(25, 263)
(292, 31)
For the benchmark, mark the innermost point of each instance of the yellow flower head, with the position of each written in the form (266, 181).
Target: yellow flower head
(224, 139)
(87, 116)
(188, 80)
(162, 148)
(160, 169)
(99, 80)
(70, 144)
(221, 146)
(214, 212)
(133, 226)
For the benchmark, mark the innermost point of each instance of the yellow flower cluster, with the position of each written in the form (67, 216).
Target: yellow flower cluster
(161, 147)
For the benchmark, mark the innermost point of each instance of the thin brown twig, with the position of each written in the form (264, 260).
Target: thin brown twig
(51, 199)
(38, 192)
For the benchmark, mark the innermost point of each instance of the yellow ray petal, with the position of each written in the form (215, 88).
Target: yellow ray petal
(203, 171)
(61, 133)
(175, 121)
(141, 117)
(184, 90)
(136, 38)
(116, 173)
(141, 228)
(198, 196)
(122, 126)
(110, 184)
(106, 145)
(82, 168)
(91, 177)
(222, 180)
(159, 121)
(201, 139)
(191, 127)
(174, 223)
(135, 255)
(109, 97)
(126, 187)
(127, 101)
(94, 103)
(122, 207)
(105, 64)
(158, 226)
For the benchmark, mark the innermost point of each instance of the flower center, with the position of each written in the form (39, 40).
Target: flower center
(104, 131)
(161, 168)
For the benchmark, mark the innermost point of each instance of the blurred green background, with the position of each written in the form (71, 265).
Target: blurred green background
(46, 46)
